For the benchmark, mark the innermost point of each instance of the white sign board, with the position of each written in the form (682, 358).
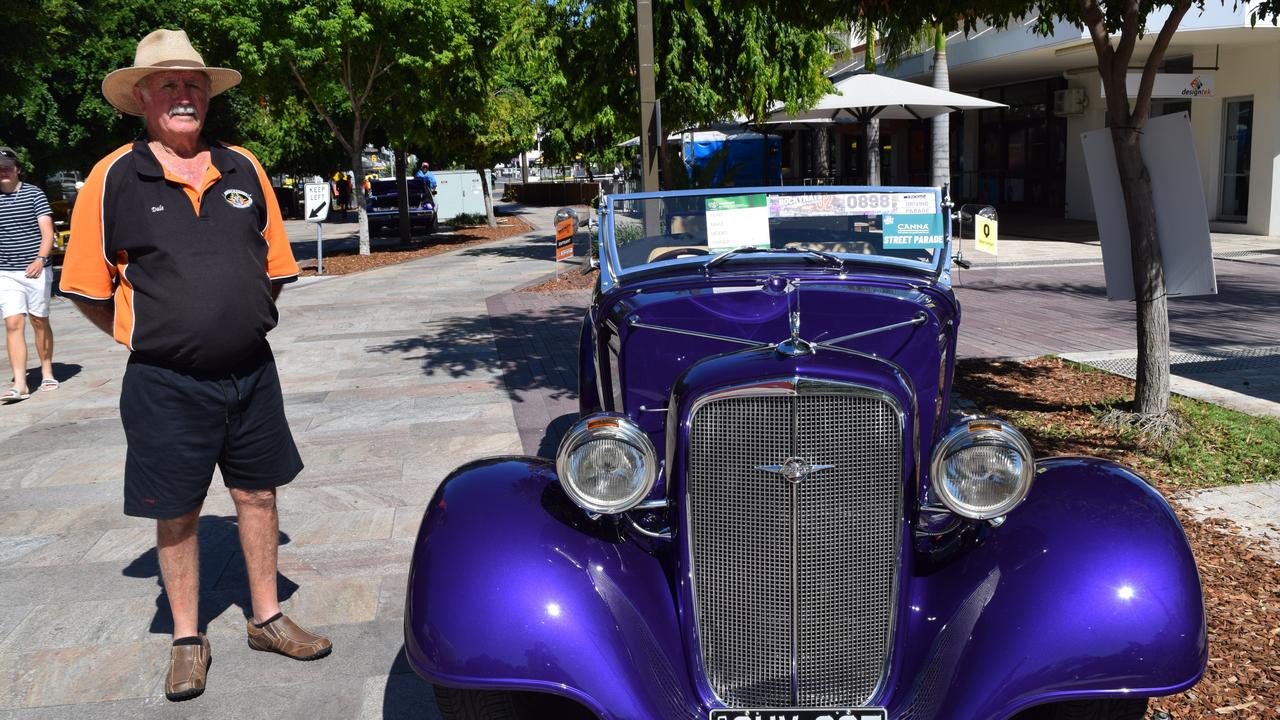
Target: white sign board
(734, 221)
(1182, 220)
(316, 207)
(1188, 86)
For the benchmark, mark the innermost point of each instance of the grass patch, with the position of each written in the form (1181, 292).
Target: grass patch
(1060, 406)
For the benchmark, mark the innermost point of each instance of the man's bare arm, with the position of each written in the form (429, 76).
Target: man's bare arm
(102, 315)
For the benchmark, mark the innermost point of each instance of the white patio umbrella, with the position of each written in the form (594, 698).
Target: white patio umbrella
(866, 96)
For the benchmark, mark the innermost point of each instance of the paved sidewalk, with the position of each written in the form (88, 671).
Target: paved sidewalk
(391, 379)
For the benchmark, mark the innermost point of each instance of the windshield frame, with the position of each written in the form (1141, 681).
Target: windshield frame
(613, 273)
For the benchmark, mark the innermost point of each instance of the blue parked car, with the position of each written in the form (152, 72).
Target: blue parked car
(768, 509)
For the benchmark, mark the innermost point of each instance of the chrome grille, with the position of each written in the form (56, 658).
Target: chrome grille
(794, 583)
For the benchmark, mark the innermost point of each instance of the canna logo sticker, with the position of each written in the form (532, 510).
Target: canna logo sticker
(237, 198)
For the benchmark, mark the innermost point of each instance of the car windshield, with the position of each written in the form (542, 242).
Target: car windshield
(893, 224)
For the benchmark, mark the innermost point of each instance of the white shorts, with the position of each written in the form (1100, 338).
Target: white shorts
(20, 294)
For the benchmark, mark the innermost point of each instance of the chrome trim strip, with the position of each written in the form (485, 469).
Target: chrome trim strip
(919, 319)
(795, 386)
(647, 533)
(634, 321)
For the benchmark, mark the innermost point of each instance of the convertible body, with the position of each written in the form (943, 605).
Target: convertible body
(810, 531)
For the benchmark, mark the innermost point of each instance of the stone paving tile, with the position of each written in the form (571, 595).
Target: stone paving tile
(10, 617)
(87, 622)
(326, 528)
(83, 674)
(55, 583)
(99, 516)
(361, 558)
(61, 549)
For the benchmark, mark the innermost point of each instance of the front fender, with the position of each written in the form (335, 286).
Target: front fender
(512, 587)
(1088, 590)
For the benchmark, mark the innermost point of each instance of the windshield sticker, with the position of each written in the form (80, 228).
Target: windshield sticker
(912, 231)
(736, 221)
(828, 204)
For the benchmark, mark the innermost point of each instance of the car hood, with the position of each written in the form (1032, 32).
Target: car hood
(650, 356)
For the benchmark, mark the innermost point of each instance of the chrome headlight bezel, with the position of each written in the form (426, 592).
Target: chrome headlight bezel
(611, 426)
(973, 432)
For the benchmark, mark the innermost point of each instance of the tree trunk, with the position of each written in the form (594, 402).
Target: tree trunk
(821, 153)
(1152, 391)
(402, 182)
(941, 123)
(357, 191)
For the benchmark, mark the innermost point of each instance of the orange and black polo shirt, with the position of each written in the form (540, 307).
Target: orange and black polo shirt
(190, 268)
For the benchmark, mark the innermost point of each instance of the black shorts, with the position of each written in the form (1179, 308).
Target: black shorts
(181, 423)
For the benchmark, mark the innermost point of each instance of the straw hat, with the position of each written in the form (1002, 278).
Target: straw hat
(159, 51)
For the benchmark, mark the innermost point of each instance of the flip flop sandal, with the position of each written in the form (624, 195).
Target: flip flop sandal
(13, 396)
(48, 384)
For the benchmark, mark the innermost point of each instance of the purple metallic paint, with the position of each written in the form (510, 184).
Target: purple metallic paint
(505, 594)
(1088, 589)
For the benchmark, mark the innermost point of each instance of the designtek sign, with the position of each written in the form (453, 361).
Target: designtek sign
(1187, 86)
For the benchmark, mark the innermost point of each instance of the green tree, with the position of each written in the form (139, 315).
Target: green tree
(714, 60)
(494, 98)
(350, 59)
(54, 56)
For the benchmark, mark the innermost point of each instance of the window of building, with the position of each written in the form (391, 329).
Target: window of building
(1237, 143)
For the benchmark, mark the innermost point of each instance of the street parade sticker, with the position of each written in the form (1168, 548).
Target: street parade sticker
(735, 221)
(912, 231)
(828, 204)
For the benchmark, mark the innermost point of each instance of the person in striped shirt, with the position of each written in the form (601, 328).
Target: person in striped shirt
(26, 239)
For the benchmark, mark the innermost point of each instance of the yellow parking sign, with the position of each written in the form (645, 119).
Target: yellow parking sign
(985, 232)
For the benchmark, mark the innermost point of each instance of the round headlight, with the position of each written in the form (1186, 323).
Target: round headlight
(982, 468)
(607, 464)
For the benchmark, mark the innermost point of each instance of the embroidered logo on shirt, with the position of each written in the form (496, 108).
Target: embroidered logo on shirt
(237, 198)
(157, 208)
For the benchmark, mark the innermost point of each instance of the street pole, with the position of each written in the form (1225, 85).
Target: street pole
(650, 127)
(319, 249)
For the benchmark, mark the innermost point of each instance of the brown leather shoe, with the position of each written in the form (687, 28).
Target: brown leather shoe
(188, 668)
(281, 635)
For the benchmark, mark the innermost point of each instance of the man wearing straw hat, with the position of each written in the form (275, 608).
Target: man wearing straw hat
(178, 251)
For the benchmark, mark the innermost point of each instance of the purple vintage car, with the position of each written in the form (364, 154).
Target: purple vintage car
(768, 509)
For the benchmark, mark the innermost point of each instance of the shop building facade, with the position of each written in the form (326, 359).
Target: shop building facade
(1028, 157)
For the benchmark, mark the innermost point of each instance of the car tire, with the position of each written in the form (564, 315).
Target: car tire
(1127, 709)
(465, 704)
(431, 227)
(459, 704)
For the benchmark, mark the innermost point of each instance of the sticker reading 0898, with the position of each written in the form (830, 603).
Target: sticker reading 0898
(864, 713)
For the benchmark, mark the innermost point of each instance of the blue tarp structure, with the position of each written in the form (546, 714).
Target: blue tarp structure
(714, 159)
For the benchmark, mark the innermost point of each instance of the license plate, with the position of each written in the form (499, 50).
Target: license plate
(862, 713)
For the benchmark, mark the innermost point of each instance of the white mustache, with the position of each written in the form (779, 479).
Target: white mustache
(182, 110)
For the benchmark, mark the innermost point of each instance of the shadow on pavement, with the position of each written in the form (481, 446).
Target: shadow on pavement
(62, 372)
(535, 249)
(555, 432)
(532, 355)
(223, 580)
(407, 696)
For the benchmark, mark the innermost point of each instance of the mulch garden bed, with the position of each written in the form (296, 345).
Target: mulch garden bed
(570, 280)
(342, 263)
(1058, 405)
